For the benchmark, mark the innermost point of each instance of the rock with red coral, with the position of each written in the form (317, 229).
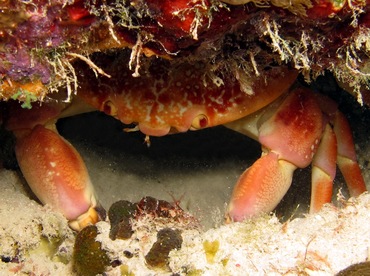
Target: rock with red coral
(312, 36)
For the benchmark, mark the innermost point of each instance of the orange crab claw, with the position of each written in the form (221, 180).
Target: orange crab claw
(290, 130)
(295, 132)
(57, 175)
(261, 187)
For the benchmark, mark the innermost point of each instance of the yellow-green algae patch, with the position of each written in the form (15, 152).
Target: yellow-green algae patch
(89, 259)
(167, 239)
(211, 248)
(125, 271)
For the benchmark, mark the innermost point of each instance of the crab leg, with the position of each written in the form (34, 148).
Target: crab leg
(323, 170)
(346, 158)
(335, 147)
(57, 175)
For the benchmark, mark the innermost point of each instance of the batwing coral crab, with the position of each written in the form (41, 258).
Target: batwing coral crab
(207, 62)
(294, 126)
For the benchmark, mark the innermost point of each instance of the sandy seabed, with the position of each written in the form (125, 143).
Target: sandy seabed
(37, 241)
(200, 173)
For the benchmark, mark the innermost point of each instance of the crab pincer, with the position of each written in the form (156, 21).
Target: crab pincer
(57, 175)
(294, 132)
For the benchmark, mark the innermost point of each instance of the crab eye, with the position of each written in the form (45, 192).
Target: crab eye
(109, 108)
(200, 121)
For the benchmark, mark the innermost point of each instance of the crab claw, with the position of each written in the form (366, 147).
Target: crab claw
(57, 175)
(296, 131)
(261, 187)
(290, 131)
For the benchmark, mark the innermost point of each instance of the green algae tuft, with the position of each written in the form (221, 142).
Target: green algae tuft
(120, 215)
(88, 257)
(167, 240)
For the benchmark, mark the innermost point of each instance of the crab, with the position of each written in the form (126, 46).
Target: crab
(295, 126)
